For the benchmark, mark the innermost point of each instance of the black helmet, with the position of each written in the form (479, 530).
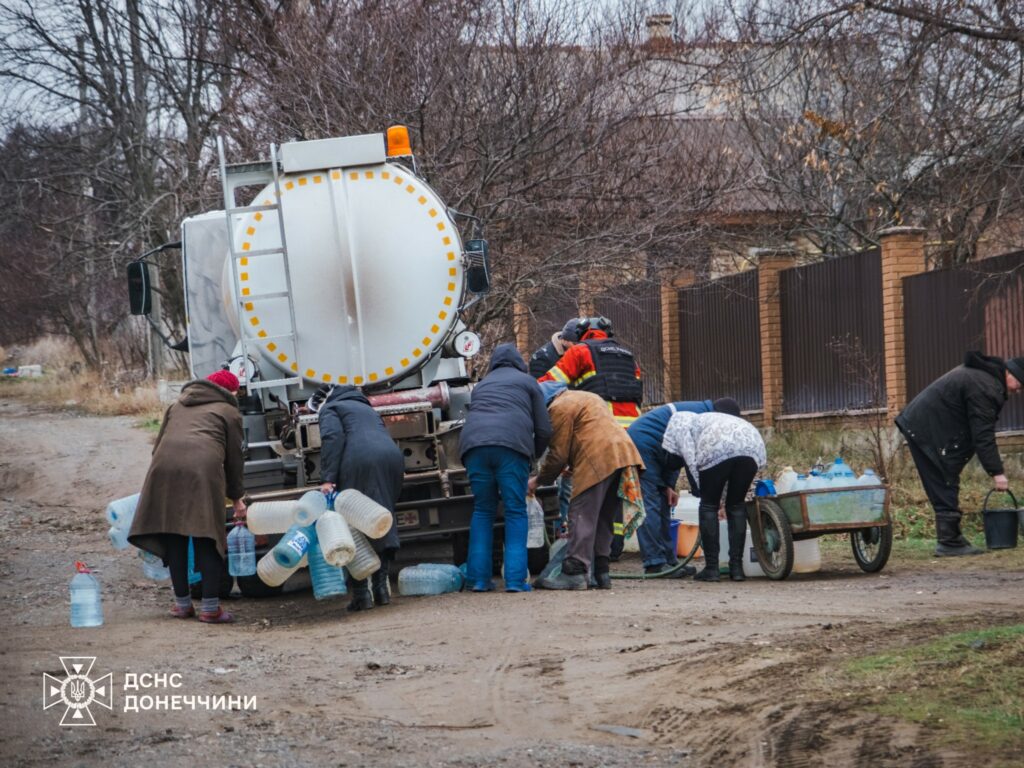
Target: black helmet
(319, 397)
(597, 323)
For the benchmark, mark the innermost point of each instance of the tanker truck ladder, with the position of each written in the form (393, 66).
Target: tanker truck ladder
(260, 174)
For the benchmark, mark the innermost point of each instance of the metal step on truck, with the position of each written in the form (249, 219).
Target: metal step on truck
(334, 262)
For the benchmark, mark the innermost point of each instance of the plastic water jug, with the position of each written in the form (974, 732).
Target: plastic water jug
(365, 560)
(840, 475)
(194, 577)
(535, 520)
(153, 566)
(86, 599)
(241, 552)
(274, 575)
(328, 580)
(335, 539)
(787, 479)
(800, 484)
(429, 579)
(269, 517)
(816, 482)
(118, 538)
(121, 512)
(292, 546)
(311, 505)
(363, 513)
(869, 478)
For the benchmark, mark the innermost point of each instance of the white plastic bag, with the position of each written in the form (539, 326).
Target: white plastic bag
(535, 520)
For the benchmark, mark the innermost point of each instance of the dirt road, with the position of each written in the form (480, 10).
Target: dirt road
(738, 674)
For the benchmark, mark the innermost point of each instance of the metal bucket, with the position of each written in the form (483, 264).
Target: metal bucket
(1001, 525)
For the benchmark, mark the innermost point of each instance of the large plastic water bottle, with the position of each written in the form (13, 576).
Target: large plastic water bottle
(800, 484)
(241, 552)
(118, 538)
(86, 599)
(535, 521)
(153, 566)
(869, 478)
(429, 579)
(293, 545)
(840, 475)
(120, 514)
(311, 505)
(815, 482)
(328, 580)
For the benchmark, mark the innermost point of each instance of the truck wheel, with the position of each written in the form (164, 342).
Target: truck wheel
(460, 550)
(251, 586)
(536, 559)
(227, 583)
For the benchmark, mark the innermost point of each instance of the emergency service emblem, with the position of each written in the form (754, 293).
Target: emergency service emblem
(77, 691)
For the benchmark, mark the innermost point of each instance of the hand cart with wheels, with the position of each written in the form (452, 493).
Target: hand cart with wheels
(861, 511)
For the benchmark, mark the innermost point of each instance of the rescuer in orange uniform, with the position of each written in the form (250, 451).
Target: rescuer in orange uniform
(599, 364)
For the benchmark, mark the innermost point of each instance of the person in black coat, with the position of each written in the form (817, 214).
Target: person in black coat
(357, 452)
(507, 425)
(950, 421)
(544, 359)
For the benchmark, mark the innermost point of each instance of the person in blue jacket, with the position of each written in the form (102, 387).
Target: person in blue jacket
(658, 480)
(506, 426)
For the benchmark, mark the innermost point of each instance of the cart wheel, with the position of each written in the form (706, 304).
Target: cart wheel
(871, 547)
(775, 548)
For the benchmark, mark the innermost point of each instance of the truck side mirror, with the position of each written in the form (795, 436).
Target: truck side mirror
(478, 273)
(140, 298)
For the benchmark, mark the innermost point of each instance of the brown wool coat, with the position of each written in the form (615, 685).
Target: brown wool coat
(587, 438)
(197, 464)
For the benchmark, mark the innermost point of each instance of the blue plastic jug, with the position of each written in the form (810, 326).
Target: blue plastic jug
(328, 580)
(293, 545)
(86, 598)
(241, 551)
(193, 576)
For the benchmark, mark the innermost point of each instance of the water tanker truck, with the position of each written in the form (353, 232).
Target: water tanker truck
(335, 262)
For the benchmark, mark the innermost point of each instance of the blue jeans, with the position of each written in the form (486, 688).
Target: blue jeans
(494, 470)
(655, 534)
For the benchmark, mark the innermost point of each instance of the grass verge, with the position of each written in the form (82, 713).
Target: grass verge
(968, 687)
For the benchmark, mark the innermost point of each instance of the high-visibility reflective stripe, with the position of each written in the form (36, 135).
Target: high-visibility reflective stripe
(625, 421)
(584, 377)
(618, 528)
(558, 375)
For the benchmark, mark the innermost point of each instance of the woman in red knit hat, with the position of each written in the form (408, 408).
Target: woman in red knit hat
(197, 464)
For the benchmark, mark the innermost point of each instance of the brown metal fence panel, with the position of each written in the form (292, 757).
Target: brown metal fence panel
(635, 312)
(832, 336)
(720, 341)
(948, 312)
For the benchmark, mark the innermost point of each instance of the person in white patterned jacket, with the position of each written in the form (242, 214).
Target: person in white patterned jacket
(721, 453)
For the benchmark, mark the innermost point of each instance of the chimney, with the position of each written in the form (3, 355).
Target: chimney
(659, 28)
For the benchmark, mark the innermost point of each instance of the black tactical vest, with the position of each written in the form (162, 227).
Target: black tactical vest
(615, 373)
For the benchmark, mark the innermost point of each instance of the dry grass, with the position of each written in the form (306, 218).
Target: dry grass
(67, 384)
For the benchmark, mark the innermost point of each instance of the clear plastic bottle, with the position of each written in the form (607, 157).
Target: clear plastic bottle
(153, 566)
(118, 538)
(787, 478)
(429, 579)
(241, 552)
(363, 513)
(86, 598)
(121, 512)
(535, 521)
(328, 580)
(311, 505)
(269, 517)
(815, 482)
(840, 475)
(869, 478)
(800, 484)
(293, 545)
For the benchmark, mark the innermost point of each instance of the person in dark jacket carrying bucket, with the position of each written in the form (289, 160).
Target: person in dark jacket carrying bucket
(658, 481)
(507, 425)
(357, 451)
(950, 421)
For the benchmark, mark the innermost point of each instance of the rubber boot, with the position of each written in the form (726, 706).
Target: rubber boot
(379, 580)
(951, 541)
(707, 521)
(602, 577)
(362, 600)
(737, 517)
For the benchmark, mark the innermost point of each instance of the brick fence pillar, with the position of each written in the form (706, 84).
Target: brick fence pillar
(902, 256)
(770, 262)
(670, 333)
